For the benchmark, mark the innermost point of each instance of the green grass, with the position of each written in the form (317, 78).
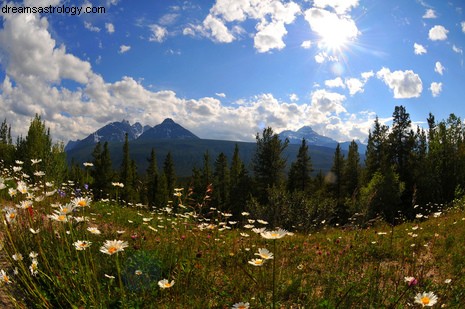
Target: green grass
(208, 259)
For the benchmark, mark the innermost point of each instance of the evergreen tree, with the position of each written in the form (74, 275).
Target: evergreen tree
(127, 174)
(170, 174)
(152, 184)
(299, 174)
(240, 184)
(102, 171)
(268, 163)
(375, 157)
(206, 170)
(338, 174)
(221, 184)
(352, 170)
(7, 149)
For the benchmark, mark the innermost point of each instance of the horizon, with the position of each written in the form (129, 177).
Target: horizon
(216, 66)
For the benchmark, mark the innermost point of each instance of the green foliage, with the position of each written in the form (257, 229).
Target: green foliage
(102, 172)
(299, 173)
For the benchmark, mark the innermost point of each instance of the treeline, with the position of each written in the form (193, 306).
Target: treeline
(405, 171)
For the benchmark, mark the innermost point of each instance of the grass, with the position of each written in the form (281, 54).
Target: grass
(208, 258)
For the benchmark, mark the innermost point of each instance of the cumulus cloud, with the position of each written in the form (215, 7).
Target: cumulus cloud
(124, 49)
(404, 84)
(430, 13)
(354, 85)
(463, 26)
(340, 6)
(271, 16)
(419, 49)
(158, 33)
(221, 95)
(293, 97)
(110, 28)
(435, 88)
(438, 33)
(439, 68)
(32, 84)
(333, 83)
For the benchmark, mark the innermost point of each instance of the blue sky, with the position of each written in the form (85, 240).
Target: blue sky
(226, 69)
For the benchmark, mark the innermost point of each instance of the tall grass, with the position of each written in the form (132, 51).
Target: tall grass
(182, 260)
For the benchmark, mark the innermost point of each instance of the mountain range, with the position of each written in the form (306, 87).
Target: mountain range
(188, 150)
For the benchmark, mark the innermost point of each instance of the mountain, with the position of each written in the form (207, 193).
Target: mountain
(168, 129)
(312, 138)
(112, 132)
(315, 139)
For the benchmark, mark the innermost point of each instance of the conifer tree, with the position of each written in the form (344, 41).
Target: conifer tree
(102, 171)
(377, 147)
(299, 174)
(170, 174)
(268, 163)
(127, 174)
(352, 170)
(152, 185)
(7, 149)
(221, 184)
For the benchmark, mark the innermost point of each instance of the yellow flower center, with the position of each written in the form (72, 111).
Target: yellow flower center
(5, 278)
(61, 217)
(12, 216)
(167, 285)
(82, 203)
(112, 250)
(425, 300)
(83, 244)
(274, 234)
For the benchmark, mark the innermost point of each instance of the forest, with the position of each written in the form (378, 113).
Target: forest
(405, 169)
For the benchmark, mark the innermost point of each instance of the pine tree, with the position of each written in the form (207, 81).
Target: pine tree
(102, 171)
(240, 184)
(127, 174)
(352, 170)
(170, 174)
(206, 170)
(7, 149)
(221, 182)
(152, 183)
(299, 174)
(268, 163)
(376, 157)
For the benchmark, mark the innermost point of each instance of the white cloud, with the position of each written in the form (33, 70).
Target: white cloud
(124, 48)
(306, 44)
(438, 33)
(270, 36)
(35, 66)
(430, 13)
(168, 19)
(293, 97)
(158, 33)
(41, 3)
(110, 28)
(463, 26)
(221, 95)
(340, 6)
(404, 84)
(457, 50)
(419, 49)
(354, 85)
(333, 83)
(367, 75)
(272, 16)
(323, 57)
(218, 31)
(90, 27)
(439, 68)
(435, 88)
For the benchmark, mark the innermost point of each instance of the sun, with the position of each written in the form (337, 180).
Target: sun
(334, 38)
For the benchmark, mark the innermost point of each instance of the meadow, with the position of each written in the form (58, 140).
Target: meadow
(63, 249)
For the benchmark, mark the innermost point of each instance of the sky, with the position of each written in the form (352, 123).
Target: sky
(226, 69)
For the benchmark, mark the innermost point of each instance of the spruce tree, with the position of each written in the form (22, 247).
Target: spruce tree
(299, 174)
(102, 171)
(352, 170)
(170, 174)
(221, 184)
(152, 183)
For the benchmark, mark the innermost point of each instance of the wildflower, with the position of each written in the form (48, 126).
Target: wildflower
(120, 232)
(258, 230)
(113, 246)
(426, 299)
(88, 164)
(81, 219)
(411, 281)
(34, 267)
(58, 217)
(138, 272)
(447, 281)
(10, 214)
(33, 255)
(35, 161)
(245, 214)
(257, 262)
(248, 226)
(241, 305)
(12, 192)
(34, 231)
(81, 245)
(66, 209)
(94, 230)
(5, 277)
(164, 284)
(17, 257)
(17, 168)
(277, 234)
(81, 201)
(262, 222)
(245, 235)
(25, 204)
(117, 184)
(109, 277)
(147, 219)
(22, 187)
(39, 174)
(264, 254)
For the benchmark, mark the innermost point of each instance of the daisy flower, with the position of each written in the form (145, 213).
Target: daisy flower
(58, 217)
(10, 214)
(81, 245)
(4, 277)
(34, 267)
(257, 262)
(264, 254)
(277, 234)
(94, 230)
(165, 284)
(17, 257)
(426, 299)
(113, 246)
(241, 305)
(81, 201)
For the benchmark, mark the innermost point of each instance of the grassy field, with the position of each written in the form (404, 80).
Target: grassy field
(61, 249)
